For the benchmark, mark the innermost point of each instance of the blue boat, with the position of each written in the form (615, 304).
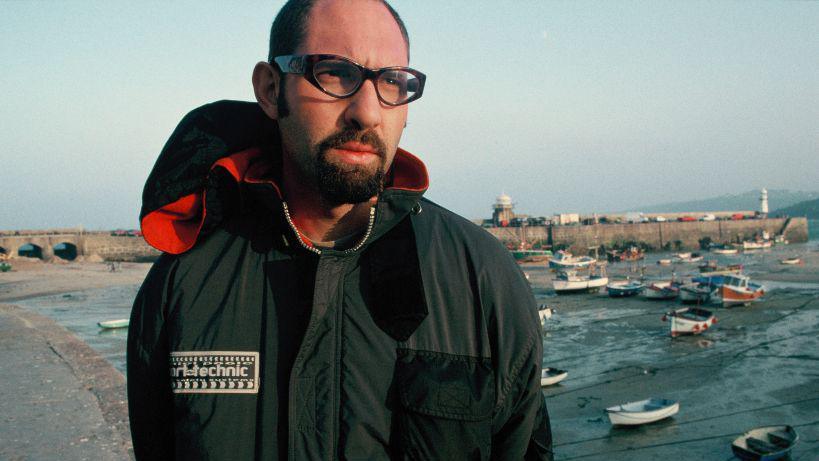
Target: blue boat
(624, 288)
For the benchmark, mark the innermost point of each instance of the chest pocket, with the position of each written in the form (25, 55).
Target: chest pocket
(445, 406)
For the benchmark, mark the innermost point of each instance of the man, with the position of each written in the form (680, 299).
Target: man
(310, 304)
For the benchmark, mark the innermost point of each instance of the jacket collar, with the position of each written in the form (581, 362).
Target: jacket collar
(183, 200)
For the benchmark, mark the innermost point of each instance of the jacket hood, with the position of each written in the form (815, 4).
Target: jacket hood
(219, 149)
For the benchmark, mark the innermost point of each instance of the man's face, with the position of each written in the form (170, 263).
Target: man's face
(343, 147)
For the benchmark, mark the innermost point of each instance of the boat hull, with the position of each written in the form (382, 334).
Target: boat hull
(644, 412)
(550, 376)
(765, 443)
(661, 291)
(728, 296)
(689, 321)
(579, 286)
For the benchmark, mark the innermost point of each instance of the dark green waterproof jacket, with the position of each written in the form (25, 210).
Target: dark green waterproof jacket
(422, 342)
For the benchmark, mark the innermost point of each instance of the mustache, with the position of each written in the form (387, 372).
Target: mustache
(368, 137)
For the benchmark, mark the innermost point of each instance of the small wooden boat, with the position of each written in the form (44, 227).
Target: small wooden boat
(623, 288)
(572, 282)
(737, 289)
(664, 262)
(642, 412)
(695, 293)
(544, 312)
(765, 443)
(791, 261)
(111, 324)
(551, 376)
(661, 290)
(689, 321)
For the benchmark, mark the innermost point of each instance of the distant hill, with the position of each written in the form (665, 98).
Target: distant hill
(809, 208)
(777, 199)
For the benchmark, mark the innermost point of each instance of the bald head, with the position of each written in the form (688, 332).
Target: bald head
(289, 29)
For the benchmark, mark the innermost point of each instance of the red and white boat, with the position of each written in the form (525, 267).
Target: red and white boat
(737, 289)
(689, 321)
(661, 290)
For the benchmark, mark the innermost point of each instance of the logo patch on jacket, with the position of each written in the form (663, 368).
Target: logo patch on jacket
(214, 372)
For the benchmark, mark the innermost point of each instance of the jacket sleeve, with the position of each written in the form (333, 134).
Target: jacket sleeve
(526, 432)
(150, 400)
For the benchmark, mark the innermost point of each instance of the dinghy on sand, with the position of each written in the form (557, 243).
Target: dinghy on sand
(551, 376)
(111, 324)
(765, 443)
(642, 412)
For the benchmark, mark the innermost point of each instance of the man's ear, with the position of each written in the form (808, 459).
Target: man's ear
(266, 87)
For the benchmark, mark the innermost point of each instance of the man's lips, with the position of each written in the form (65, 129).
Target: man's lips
(356, 152)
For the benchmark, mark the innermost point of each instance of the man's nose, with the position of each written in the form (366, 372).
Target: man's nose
(364, 111)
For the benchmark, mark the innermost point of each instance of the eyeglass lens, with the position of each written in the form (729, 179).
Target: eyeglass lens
(341, 78)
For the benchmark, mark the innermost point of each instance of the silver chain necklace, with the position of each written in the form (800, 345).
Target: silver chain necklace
(318, 251)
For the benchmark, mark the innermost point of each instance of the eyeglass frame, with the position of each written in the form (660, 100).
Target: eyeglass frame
(303, 64)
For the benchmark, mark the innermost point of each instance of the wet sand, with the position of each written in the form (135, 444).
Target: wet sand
(759, 365)
(63, 400)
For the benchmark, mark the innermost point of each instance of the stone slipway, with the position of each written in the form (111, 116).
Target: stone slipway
(59, 399)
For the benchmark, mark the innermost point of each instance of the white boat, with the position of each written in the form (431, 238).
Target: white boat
(544, 312)
(661, 290)
(563, 260)
(549, 376)
(689, 321)
(695, 293)
(791, 261)
(688, 257)
(664, 262)
(571, 281)
(725, 251)
(765, 443)
(737, 289)
(642, 412)
(111, 324)
(756, 244)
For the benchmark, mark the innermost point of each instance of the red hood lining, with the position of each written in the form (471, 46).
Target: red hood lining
(175, 227)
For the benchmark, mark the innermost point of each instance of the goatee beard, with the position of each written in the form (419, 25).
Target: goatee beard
(338, 184)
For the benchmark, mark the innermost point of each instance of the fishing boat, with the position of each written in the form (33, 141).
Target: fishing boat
(572, 282)
(111, 324)
(624, 288)
(642, 412)
(695, 292)
(531, 255)
(630, 254)
(737, 289)
(551, 376)
(544, 312)
(661, 290)
(563, 260)
(791, 261)
(689, 321)
(756, 244)
(712, 268)
(765, 443)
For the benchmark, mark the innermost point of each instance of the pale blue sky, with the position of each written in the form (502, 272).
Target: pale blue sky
(565, 106)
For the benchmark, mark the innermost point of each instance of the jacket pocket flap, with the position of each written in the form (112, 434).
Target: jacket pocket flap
(445, 385)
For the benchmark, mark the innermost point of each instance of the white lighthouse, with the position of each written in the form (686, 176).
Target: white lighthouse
(503, 213)
(763, 202)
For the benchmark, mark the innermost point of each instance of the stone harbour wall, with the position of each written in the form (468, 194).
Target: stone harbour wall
(657, 235)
